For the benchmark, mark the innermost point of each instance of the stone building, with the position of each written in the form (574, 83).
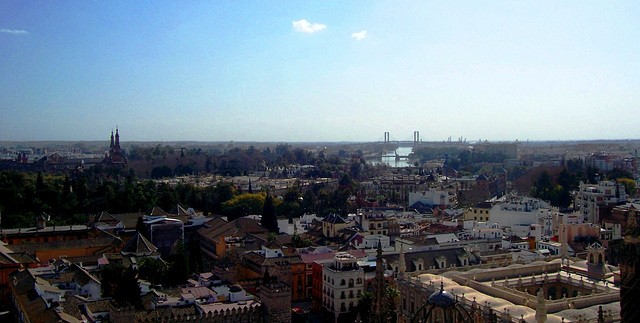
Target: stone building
(539, 291)
(276, 300)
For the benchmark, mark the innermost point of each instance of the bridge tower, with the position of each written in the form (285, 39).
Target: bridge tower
(386, 137)
(416, 138)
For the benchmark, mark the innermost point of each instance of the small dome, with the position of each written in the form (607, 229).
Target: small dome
(235, 289)
(442, 298)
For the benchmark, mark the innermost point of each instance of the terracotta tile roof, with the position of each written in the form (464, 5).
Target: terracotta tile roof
(33, 305)
(24, 258)
(237, 227)
(98, 306)
(31, 248)
(5, 256)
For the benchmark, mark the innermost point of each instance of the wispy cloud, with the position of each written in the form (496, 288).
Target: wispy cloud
(359, 36)
(303, 26)
(14, 31)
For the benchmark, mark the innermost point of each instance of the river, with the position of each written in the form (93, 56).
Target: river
(391, 159)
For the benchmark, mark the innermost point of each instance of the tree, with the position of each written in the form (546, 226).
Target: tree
(153, 270)
(269, 219)
(242, 205)
(629, 185)
(364, 305)
(618, 173)
(161, 172)
(391, 296)
(121, 284)
(178, 272)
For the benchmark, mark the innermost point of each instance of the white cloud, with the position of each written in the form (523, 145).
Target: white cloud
(303, 26)
(13, 31)
(359, 36)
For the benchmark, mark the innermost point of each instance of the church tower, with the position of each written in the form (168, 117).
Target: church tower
(115, 156)
(117, 143)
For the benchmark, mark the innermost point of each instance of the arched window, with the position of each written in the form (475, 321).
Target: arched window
(351, 282)
(342, 282)
(359, 280)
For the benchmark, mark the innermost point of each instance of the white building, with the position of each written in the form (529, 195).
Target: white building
(342, 284)
(524, 211)
(590, 198)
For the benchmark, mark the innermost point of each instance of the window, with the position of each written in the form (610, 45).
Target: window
(342, 282)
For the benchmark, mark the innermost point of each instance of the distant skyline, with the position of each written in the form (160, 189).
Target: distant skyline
(320, 71)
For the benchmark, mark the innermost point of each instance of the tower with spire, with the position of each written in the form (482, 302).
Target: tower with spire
(115, 155)
(402, 266)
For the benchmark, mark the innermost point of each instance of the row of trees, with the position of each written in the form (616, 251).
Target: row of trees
(70, 200)
(557, 184)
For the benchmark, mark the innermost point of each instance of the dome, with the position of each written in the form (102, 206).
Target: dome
(235, 289)
(442, 298)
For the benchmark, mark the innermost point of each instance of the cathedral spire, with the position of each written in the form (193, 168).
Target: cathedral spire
(402, 266)
(117, 138)
(111, 146)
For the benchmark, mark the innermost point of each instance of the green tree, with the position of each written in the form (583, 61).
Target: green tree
(391, 296)
(242, 205)
(269, 219)
(364, 305)
(618, 173)
(121, 284)
(629, 185)
(178, 271)
(153, 270)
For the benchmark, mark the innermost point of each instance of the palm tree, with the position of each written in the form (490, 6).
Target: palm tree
(391, 297)
(364, 305)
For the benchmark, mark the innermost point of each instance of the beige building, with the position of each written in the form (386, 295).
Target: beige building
(535, 292)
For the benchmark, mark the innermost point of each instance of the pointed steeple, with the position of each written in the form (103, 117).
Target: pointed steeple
(111, 146)
(117, 138)
(402, 266)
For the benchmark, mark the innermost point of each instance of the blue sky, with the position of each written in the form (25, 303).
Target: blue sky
(319, 70)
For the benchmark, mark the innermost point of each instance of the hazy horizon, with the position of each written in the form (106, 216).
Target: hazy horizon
(330, 71)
